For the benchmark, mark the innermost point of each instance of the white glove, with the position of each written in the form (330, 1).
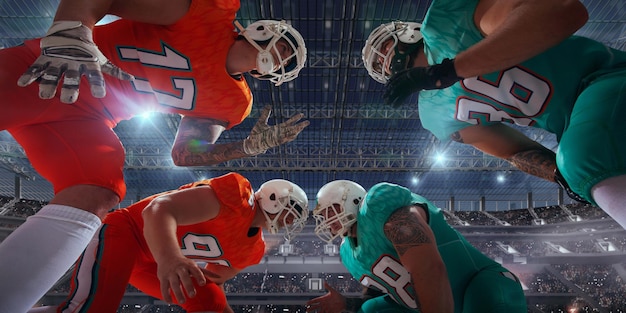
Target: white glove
(263, 136)
(68, 50)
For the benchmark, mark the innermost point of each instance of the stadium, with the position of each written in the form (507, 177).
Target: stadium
(569, 257)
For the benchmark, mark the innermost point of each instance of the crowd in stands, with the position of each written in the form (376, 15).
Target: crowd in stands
(585, 286)
(515, 217)
(475, 218)
(600, 281)
(543, 282)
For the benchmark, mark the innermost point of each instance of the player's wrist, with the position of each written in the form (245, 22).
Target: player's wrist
(71, 40)
(444, 73)
(253, 146)
(353, 304)
(59, 26)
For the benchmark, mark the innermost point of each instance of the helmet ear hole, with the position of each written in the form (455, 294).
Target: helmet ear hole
(264, 62)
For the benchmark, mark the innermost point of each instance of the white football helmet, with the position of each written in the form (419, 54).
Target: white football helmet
(337, 202)
(383, 41)
(278, 195)
(269, 32)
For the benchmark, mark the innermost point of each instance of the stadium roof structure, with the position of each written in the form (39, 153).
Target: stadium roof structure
(352, 135)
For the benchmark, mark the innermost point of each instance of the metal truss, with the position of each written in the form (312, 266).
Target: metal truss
(13, 159)
(351, 159)
(301, 158)
(331, 59)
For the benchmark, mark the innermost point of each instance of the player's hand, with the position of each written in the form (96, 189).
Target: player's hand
(263, 136)
(177, 275)
(68, 50)
(406, 82)
(558, 178)
(331, 302)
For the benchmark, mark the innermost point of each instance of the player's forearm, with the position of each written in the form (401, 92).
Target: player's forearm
(408, 230)
(160, 233)
(518, 32)
(203, 154)
(88, 12)
(540, 162)
(433, 293)
(160, 12)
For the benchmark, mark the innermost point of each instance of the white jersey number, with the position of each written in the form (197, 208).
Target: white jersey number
(183, 93)
(396, 277)
(202, 248)
(515, 88)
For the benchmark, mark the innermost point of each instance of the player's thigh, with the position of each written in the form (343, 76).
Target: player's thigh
(592, 147)
(494, 291)
(75, 152)
(209, 298)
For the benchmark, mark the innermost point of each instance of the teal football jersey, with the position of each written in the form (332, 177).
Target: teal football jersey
(539, 92)
(375, 262)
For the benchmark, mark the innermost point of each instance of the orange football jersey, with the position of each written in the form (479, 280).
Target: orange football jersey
(179, 68)
(224, 239)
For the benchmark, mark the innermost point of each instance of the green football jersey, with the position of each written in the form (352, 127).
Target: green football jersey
(373, 260)
(539, 92)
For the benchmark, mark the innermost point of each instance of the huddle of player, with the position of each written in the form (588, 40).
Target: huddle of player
(474, 64)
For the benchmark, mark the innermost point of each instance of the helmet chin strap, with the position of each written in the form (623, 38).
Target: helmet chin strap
(264, 59)
(271, 223)
(402, 60)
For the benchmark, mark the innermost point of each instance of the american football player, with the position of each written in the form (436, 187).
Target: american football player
(401, 249)
(156, 244)
(481, 66)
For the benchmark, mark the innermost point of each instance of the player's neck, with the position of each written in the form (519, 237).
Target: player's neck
(259, 220)
(241, 58)
(420, 60)
(352, 234)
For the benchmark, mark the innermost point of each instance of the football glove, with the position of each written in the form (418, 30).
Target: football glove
(406, 82)
(558, 178)
(68, 50)
(263, 136)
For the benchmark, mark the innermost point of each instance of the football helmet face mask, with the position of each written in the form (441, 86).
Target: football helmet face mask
(267, 33)
(338, 203)
(287, 202)
(381, 54)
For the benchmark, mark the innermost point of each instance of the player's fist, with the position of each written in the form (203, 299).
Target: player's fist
(68, 50)
(409, 81)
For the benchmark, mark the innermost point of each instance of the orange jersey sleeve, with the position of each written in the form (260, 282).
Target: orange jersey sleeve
(180, 68)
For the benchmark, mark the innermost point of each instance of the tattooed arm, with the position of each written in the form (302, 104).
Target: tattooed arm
(196, 137)
(507, 143)
(407, 228)
(195, 143)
